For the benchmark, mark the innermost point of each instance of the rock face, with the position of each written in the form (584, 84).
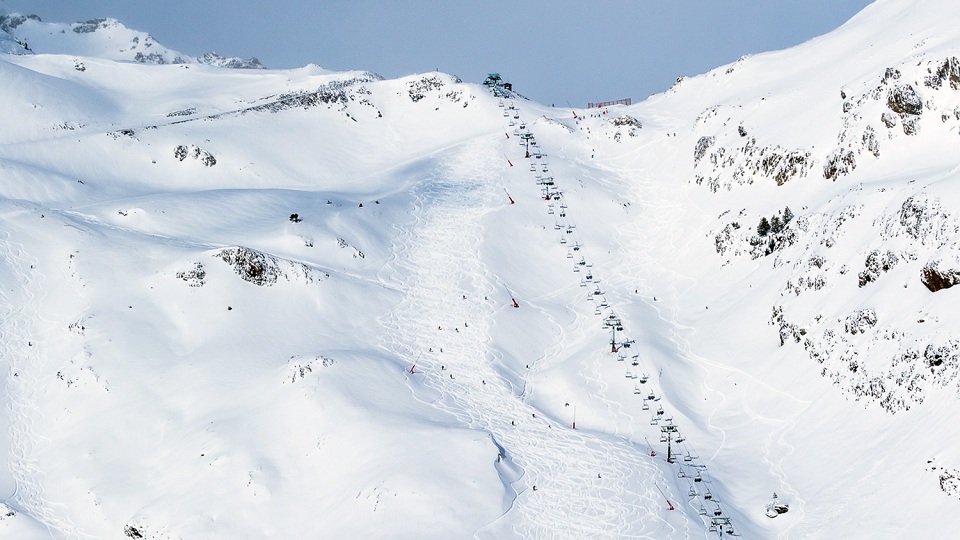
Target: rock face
(936, 278)
(903, 99)
(264, 269)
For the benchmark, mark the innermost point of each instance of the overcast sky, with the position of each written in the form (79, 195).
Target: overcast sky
(554, 51)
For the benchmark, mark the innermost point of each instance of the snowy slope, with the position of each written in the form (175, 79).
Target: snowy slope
(305, 303)
(106, 39)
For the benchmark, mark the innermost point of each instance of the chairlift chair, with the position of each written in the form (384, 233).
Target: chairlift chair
(708, 496)
(645, 406)
(688, 458)
(654, 421)
(698, 478)
(692, 492)
(636, 389)
(563, 240)
(652, 396)
(644, 378)
(576, 269)
(703, 511)
(583, 283)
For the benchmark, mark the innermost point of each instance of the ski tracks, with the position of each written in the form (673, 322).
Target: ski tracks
(575, 484)
(19, 306)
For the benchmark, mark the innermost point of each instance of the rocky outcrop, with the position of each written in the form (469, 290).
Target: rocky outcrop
(936, 278)
(265, 270)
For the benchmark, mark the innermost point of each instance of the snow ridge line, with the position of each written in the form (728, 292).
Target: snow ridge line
(22, 389)
(580, 479)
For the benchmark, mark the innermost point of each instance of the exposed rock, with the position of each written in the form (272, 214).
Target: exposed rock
(860, 321)
(9, 23)
(195, 277)
(264, 270)
(936, 278)
(876, 264)
(889, 119)
(903, 99)
(214, 59)
(839, 163)
(703, 145)
(870, 141)
(890, 74)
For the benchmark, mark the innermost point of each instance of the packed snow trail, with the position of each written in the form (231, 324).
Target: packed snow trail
(575, 484)
(20, 299)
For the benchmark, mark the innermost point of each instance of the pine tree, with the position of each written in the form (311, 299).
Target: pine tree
(787, 215)
(764, 227)
(775, 224)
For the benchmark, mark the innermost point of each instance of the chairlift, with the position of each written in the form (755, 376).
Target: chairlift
(636, 389)
(708, 496)
(644, 378)
(583, 283)
(603, 303)
(730, 531)
(523, 125)
(635, 362)
(663, 438)
(589, 276)
(645, 406)
(563, 240)
(713, 528)
(516, 114)
(597, 291)
(692, 492)
(652, 396)
(630, 375)
(598, 312)
(533, 168)
(576, 247)
(506, 114)
(576, 269)
(698, 478)
(582, 262)
(654, 421)
(512, 123)
(500, 104)
(556, 226)
(660, 411)
(544, 167)
(703, 511)
(680, 439)
(688, 458)
(569, 254)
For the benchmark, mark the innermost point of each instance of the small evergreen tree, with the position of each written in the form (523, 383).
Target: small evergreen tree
(776, 225)
(764, 227)
(787, 215)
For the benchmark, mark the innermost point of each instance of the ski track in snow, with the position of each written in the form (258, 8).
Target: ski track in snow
(25, 359)
(652, 230)
(587, 484)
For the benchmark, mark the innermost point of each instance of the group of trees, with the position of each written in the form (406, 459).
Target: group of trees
(776, 223)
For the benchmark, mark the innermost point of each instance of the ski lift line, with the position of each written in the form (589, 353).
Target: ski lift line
(570, 223)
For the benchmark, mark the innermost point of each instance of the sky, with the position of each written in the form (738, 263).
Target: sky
(553, 51)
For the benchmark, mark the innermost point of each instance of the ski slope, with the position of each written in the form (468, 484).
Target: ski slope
(285, 303)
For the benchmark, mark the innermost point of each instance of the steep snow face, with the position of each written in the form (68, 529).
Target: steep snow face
(107, 39)
(326, 304)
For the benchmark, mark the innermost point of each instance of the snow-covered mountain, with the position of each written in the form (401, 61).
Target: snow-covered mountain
(102, 38)
(304, 303)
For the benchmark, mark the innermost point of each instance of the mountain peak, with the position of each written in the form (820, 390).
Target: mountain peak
(105, 38)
